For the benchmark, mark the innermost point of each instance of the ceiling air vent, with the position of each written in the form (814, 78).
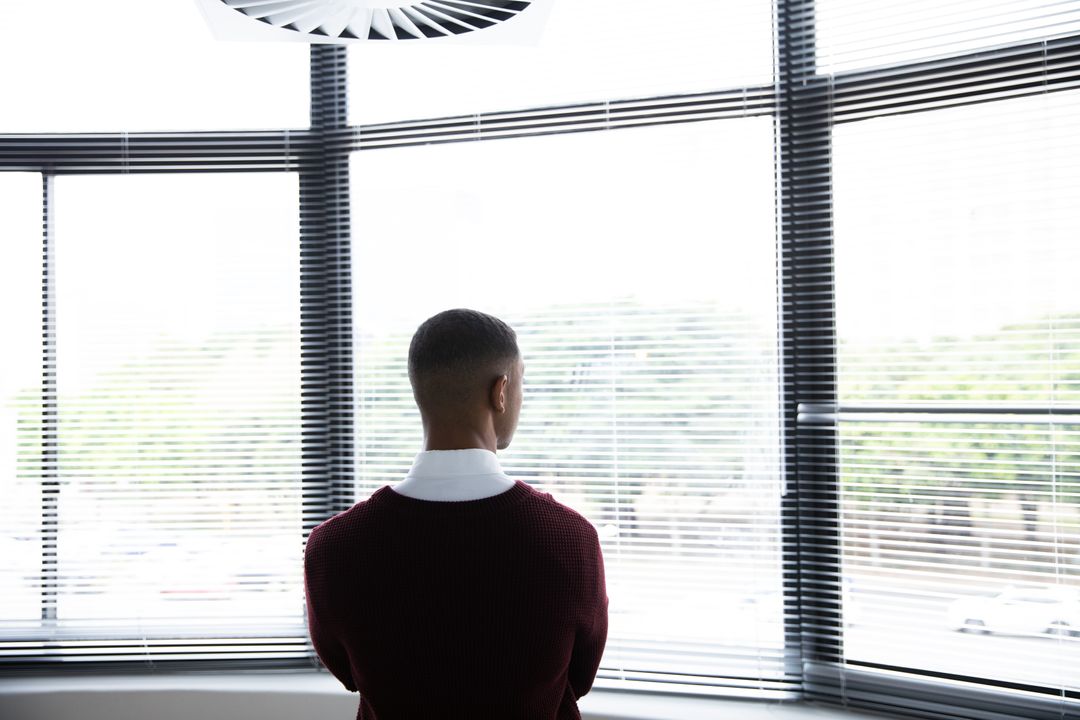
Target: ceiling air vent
(338, 21)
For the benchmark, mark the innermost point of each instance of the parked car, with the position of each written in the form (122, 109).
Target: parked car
(1032, 610)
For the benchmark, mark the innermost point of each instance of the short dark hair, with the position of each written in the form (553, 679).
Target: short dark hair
(453, 355)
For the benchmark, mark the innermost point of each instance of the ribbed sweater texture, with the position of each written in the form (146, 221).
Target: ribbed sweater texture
(488, 609)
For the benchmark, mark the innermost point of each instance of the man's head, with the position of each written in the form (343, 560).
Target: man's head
(466, 374)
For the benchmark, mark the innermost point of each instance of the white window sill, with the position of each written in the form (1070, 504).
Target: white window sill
(268, 696)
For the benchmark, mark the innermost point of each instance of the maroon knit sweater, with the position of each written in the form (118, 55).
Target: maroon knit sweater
(489, 609)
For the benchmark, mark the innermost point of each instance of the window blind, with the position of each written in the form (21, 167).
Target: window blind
(963, 521)
(932, 167)
(589, 51)
(157, 480)
(21, 397)
(648, 330)
(861, 34)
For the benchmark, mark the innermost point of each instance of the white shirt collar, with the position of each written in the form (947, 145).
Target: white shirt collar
(466, 474)
(443, 463)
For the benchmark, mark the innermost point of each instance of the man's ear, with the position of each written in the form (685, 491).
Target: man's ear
(498, 393)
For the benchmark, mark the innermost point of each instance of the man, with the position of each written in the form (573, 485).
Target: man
(460, 594)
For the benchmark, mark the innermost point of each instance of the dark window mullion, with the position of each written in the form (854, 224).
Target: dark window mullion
(811, 508)
(326, 297)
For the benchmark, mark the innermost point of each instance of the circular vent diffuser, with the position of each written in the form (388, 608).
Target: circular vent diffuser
(380, 19)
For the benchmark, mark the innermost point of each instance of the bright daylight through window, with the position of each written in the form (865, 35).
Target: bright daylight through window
(640, 52)
(161, 469)
(133, 65)
(860, 34)
(961, 529)
(20, 397)
(794, 282)
(649, 338)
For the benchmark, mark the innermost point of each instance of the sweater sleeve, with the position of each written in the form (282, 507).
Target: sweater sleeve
(328, 647)
(591, 637)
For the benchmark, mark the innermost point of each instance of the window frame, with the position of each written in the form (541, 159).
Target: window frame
(323, 282)
(805, 105)
(810, 106)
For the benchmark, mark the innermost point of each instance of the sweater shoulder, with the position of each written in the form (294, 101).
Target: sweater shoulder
(339, 524)
(566, 515)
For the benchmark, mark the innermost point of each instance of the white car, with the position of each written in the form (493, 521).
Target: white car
(1035, 610)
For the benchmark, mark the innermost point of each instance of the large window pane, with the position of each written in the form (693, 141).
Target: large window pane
(857, 34)
(139, 65)
(957, 257)
(20, 399)
(960, 547)
(178, 372)
(956, 268)
(638, 267)
(591, 50)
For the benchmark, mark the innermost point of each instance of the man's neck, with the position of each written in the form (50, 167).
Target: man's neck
(458, 439)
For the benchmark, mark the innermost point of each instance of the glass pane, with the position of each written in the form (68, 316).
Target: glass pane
(133, 65)
(956, 268)
(590, 50)
(21, 375)
(956, 259)
(639, 270)
(960, 547)
(856, 34)
(178, 368)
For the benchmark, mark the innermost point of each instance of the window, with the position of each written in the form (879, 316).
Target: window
(21, 397)
(639, 270)
(168, 473)
(934, 311)
(590, 51)
(855, 34)
(958, 317)
(132, 65)
(855, 477)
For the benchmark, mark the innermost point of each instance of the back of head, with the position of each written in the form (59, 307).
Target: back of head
(455, 356)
